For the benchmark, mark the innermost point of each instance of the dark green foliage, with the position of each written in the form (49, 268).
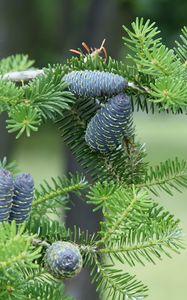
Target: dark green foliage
(6, 193)
(122, 165)
(45, 97)
(63, 260)
(22, 199)
(49, 94)
(94, 83)
(110, 125)
(135, 229)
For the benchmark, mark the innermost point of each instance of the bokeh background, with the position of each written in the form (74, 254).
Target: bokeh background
(46, 30)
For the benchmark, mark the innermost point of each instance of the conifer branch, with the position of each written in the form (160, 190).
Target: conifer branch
(181, 49)
(16, 247)
(49, 197)
(171, 174)
(124, 214)
(58, 192)
(15, 63)
(135, 229)
(142, 246)
(115, 283)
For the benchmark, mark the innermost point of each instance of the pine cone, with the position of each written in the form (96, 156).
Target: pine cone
(112, 122)
(95, 83)
(63, 260)
(6, 193)
(22, 199)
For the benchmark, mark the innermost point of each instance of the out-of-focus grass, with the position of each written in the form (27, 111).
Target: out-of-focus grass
(42, 156)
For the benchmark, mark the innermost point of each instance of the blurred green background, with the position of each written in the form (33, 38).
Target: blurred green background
(46, 30)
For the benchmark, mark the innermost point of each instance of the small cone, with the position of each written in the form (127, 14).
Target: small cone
(6, 193)
(22, 198)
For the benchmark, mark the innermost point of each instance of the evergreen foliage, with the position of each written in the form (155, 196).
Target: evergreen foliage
(14, 63)
(135, 228)
(45, 97)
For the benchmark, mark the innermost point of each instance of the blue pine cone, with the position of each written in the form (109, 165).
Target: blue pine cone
(110, 124)
(6, 193)
(95, 83)
(63, 260)
(22, 198)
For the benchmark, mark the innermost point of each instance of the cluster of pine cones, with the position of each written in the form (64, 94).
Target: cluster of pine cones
(16, 196)
(111, 123)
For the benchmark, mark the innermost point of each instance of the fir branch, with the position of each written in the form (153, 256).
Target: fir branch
(143, 35)
(146, 243)
(116, 284)
(48, 231)
(9, 95)
(167, 73)
(18, 62)
(120, 165)
(112, 66)
(45, 97)
(113, 198)
(15, 247)
(11, 285)
(23, 118)
(48, 92)
(51, 231)
(149, 54)
(101, 193)
(50, 196)
(181, 49)
(171, 174)
(135, 228)
(171, 92)
(124, 206)
(29, 283)
(36, 275)
(47, 291)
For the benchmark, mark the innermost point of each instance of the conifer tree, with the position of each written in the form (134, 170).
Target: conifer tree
(92, 99)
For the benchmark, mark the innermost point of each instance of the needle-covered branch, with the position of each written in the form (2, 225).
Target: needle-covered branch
(92, 99)
(167, 176)
(49, 197)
